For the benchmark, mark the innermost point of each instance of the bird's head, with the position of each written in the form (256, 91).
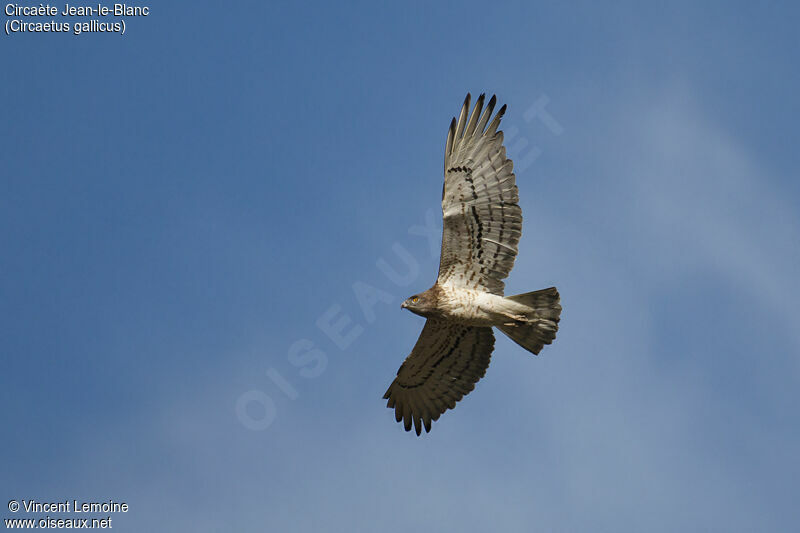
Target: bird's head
(422, 304)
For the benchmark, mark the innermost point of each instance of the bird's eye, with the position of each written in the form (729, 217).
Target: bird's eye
(414, 300)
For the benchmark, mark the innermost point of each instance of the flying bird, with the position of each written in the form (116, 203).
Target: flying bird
(482, 225)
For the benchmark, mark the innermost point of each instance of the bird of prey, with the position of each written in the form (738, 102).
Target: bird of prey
(481, 229)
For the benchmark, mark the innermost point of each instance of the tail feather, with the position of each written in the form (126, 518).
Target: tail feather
(540, 324)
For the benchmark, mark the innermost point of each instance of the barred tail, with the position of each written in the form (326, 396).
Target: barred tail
(540, 324)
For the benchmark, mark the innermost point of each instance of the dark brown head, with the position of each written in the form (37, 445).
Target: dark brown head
(423, 304)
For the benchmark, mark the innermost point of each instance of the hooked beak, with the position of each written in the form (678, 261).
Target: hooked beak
(403, 305)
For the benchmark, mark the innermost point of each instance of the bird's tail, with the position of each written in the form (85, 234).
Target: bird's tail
(540, 323)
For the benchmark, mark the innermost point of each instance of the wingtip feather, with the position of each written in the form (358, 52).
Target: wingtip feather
(492, 129)
(473, 118)
(462, 120)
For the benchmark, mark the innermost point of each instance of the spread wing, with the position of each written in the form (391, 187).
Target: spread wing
(482, 221)
(444, 365)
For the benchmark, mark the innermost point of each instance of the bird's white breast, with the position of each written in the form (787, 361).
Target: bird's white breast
(470, 306)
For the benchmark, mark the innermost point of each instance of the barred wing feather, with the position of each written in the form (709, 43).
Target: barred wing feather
(482, 221)
(446, 362)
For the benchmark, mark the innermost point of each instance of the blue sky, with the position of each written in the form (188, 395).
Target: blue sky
(180, 206)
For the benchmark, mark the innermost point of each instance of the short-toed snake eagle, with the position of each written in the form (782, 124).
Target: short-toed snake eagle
(481, 229)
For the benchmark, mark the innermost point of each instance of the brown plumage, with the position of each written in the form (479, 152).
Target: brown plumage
(482, 225)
